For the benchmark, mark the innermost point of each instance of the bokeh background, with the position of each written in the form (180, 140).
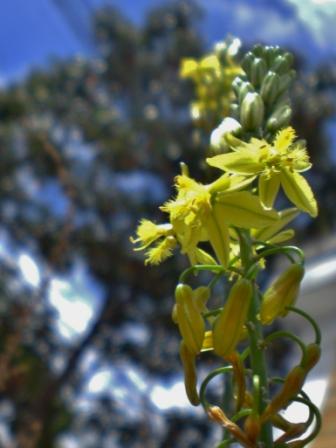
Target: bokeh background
(94, 122)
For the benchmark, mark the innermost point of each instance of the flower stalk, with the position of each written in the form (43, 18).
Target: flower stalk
(229, 228)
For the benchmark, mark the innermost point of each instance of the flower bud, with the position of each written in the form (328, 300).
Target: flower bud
(252, 427)
(189, 319)
(228, 326)
(217, 415)
(281, 64)
(270, 87)
(279, 119)
(236, 84)
(217, 138)
(283, 292)
(244, 89)
(286, 80)
(291, 387)
(258, 71)
(312, 356)
(234, 111)
(252, 111)
(190, 375)
(247, 62)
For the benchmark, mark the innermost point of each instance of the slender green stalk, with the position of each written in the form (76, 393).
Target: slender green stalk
(258, 365)
(256, 355)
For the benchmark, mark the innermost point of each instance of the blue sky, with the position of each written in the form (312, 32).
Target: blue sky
(36, 31)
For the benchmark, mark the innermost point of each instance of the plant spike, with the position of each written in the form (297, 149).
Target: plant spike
(258, 155)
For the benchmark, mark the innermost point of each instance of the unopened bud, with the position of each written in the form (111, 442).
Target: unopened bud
(228, 326)
(189, 319)
(282, 293)
(282, 63)
(252, 111)
(252, 427)
(217, 138)
(258, 71)
(245, 88)
(312, 356)
(290, 388)
(190, 375)
(217, 415)
(270, 87)
(247, 62)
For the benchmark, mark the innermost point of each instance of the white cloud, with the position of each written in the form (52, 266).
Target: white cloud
(29, 269)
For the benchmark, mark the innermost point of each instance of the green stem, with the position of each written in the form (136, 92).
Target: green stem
(258, 365)
(256, 355)
(312, 322)
(286, 334)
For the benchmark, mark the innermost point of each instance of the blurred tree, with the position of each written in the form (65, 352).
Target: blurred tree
(88, 147)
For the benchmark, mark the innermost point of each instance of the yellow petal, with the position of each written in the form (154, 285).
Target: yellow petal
(188, 68)
(219, 237)
(241, 162)
(268, 189)
(285, 216)
(284, 139)
(202, 257)
(281, 237)
(298, 191)
(243, 209)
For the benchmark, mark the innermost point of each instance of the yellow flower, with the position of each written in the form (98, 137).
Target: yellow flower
(148, 233)
(278, 164)
(192, 217)
(202, 213)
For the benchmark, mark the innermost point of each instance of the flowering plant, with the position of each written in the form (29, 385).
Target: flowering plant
(229, 228)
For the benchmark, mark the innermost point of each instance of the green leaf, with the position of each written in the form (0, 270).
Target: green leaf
(268, 189)
(242, 162)
(298, 191)
(243, 209)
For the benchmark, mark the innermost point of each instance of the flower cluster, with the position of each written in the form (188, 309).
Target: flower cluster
(212, 77)
(229, 227)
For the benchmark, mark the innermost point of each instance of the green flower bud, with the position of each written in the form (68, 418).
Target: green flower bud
(279, 119)
(252, 111)
(189, 319)
(283, 292)
(258, 50)
(280, 65)
(236, 85)
(270, 87)
(245, 88)
(285, 81)
(258, 71)
(234, 111)
(228, 326)
(269, 54)
(247, 62)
